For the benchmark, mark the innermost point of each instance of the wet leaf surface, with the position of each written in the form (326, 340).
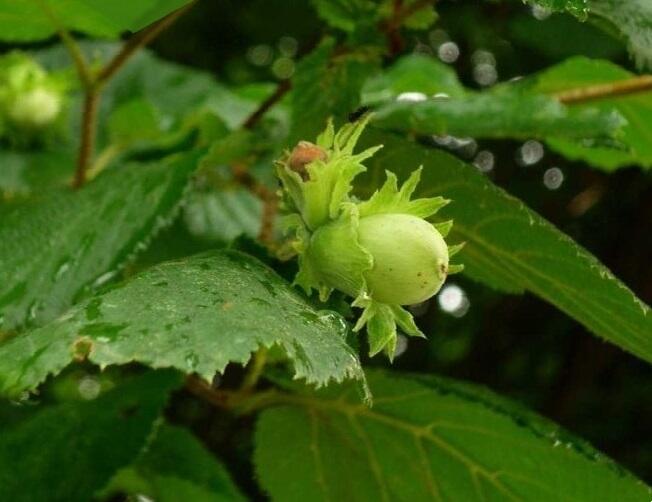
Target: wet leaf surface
(197, 315)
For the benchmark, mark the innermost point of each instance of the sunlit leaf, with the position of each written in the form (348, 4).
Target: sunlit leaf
(55, 246)
(498, 115)
(635, 108)
(414, 73)
(420, 95)
(197, 314)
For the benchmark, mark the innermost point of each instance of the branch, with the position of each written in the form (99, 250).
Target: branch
(268, 198)
(633, 85)
(88, 132)
(255, 370)
(281, 90)
(82, 67)
(139, 40)
(400, 12)
(93, 84)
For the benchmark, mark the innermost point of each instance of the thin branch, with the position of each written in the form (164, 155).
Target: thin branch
(88, 132)
(255, 370)
(139, 40)
(281, 90)
(93, 85)
(269, 200)
(400, 12)
(203, 390)
(410, 9)
(81, 65)
(619, 88)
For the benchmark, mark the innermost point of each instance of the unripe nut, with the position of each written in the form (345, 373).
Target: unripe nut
(35, 108)
(410, 258)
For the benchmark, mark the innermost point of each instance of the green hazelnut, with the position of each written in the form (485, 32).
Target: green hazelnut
(31, 99)
(381, 251)
(410, 258)
(34, 108)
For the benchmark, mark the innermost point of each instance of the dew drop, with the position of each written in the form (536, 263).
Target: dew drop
(448, 52)
(553, 178)
(530, 153)
(453, 300)
(335, 320)
(33, 310)
(411, 97)
(103, 279)
(62, 269)
(484, 161)
(540, 13)
(89, 387)
(485, 74)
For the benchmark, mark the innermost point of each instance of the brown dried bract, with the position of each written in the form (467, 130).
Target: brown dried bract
(303, 154)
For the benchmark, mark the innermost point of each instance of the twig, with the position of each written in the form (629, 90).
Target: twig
(82, 67)
(281, 90)
(206, 392)
(633, 85)
(268, 198)
(93, 84)
(88, 132)
(255, 370)
(139, 40)
(400, 12)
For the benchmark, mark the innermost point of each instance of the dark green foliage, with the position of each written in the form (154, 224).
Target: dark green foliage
(69, 451)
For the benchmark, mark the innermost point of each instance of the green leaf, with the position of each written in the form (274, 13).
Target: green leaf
(414, 73)
(223, 215)
(578, 8)
(426, 439)
(24, 172)
(511, 248)
(178, 95)
(633, 20)
(197, 315)
(51, 248)
(134, 121)
(176, 466)
(177, 91)
(327, 84)
(345, 14)
(30, 20)
(635, 108)
(580, 39)
(67, 452)
(502, 114)
(509, 111)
